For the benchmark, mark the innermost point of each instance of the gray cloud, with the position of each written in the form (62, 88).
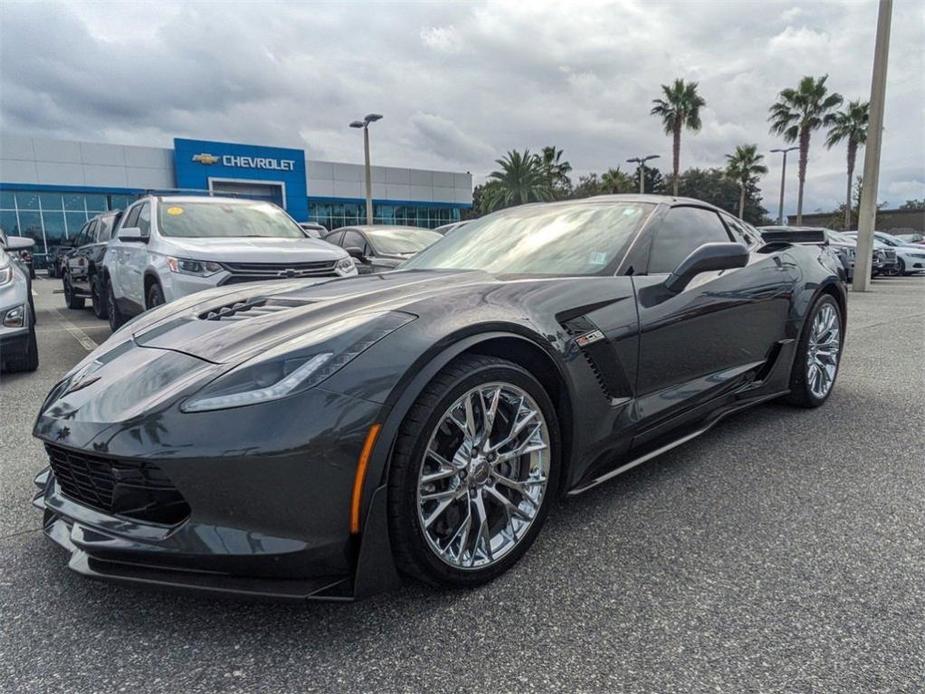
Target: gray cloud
(459, 83)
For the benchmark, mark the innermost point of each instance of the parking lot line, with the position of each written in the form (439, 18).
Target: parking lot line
(85, 340)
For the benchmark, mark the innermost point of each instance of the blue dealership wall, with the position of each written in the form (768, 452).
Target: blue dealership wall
(196, 161)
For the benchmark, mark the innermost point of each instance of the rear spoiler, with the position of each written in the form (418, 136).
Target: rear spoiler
(794, 236)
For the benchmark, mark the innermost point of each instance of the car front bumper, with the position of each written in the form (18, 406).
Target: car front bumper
(266, 493)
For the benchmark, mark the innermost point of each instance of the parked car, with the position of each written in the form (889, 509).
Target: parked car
(910, 257)
(915, 238)
(313, 230)
(168, 246)
(845, 248)
(21, 250)
(451, 227)
(57, 258)
(381, 248)
(319, 440)
(83, 268)
(18, 348)
(896, 259)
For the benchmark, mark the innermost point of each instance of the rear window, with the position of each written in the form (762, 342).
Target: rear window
(225, 220)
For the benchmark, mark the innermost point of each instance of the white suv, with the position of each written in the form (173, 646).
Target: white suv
(167, 247)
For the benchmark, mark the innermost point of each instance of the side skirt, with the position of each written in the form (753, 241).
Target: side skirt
(674, 444)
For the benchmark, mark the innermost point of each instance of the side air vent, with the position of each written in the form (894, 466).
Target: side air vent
(599, 354)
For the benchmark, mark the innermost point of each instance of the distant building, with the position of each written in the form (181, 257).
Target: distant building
(893, 221)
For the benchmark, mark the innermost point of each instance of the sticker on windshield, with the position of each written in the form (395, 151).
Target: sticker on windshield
(174, 211)
(598, 258)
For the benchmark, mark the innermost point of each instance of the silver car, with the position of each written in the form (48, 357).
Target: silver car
(18, 348)
(169, 246)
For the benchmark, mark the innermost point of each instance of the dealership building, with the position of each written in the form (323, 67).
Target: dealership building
(49, 188)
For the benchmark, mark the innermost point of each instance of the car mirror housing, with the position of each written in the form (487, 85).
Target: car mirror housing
(132, 235)
(19, 243)
(707, 258)
(357, 253)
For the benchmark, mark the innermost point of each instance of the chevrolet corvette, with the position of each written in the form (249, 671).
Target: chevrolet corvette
(327, 438)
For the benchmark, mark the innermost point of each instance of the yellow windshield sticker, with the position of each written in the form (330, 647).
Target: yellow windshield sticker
(174, 211)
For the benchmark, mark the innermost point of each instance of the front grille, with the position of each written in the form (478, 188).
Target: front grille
(134, 489)
(317, 268)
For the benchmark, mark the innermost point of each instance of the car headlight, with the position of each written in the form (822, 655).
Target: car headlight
(6, 275)
(200, 268)
(345, 266)
(15, 317)
(297, 365)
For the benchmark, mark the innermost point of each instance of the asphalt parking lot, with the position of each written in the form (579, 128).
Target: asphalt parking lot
(782, 551)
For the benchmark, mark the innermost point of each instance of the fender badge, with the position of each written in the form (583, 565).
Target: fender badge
(588, 338)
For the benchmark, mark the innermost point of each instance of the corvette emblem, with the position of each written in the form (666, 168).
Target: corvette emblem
(205, 158)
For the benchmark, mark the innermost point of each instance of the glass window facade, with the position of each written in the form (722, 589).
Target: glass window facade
(50, 217)
(338, 214)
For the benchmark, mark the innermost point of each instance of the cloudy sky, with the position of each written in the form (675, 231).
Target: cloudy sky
(459, 83)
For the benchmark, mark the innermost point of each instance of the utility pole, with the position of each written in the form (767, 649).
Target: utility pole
(867, 217)
(642, 169)
(370, 118)
(783, 182)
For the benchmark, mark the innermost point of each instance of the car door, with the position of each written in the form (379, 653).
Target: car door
(125, 256)
(78, 261)
(715, 334)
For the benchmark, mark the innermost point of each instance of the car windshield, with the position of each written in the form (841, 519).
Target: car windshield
(402, 241)
(562, 239)
(225, 219)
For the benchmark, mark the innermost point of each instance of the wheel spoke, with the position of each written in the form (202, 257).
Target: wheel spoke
(482, 538)
(509, 506)
(441, 507)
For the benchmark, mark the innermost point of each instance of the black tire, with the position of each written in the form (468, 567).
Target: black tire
(155, 296)
(32, 272)
(116, 319)
(71, 301)
(801, 394)
(413, 556)
(28, 360)
(901, 268)
(97, 298)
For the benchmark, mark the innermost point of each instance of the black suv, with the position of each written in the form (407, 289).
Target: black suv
(83, 266)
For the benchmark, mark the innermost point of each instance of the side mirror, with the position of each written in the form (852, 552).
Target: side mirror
(356, 253)
(19, 243)
(707, 258)
(132, 235)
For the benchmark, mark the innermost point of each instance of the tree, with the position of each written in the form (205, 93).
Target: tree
(588, 186)
(678, 110)
(850, 126)
(714, 187)
(797, 113)
(615, 181)
(744, 167)
(913, 204)
(653, 181)
(520, 180)
(556, 171)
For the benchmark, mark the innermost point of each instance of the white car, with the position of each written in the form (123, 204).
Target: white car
(18, 349)
(910, 258)
(167, 247)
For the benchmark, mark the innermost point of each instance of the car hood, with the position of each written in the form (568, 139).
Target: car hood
(255, 250)
(225, 327)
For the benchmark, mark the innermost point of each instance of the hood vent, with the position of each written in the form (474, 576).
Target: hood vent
(251, 308)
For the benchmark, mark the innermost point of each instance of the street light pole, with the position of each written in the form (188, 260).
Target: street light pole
(783, 181)
(867, 215)
(642, 169)
(370, 118)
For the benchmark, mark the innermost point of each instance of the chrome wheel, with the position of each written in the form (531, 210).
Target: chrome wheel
(822, 351)
(483, 476)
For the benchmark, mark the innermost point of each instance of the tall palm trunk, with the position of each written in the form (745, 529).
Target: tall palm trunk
(852, 154)
(676, 163)
(804, 157)
(742, 202)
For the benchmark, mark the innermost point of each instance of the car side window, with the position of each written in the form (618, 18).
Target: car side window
(740, 231)
(131, 219)
(144, 219)
(90, 233)
(681, 231)
(354, 239)
(335, 238)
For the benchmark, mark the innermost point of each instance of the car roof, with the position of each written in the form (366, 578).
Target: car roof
(212, 199)
(366, 228)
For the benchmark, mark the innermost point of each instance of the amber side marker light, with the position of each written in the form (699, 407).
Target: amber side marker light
(357, 499)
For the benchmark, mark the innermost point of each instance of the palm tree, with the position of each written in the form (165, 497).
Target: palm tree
(850, 125)
(520, 180)
(556, 170)
(615, 181)
(797, 113)
(744, 167)
(678, 110)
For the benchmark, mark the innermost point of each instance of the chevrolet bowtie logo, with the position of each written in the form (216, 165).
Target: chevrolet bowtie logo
(205, 158)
